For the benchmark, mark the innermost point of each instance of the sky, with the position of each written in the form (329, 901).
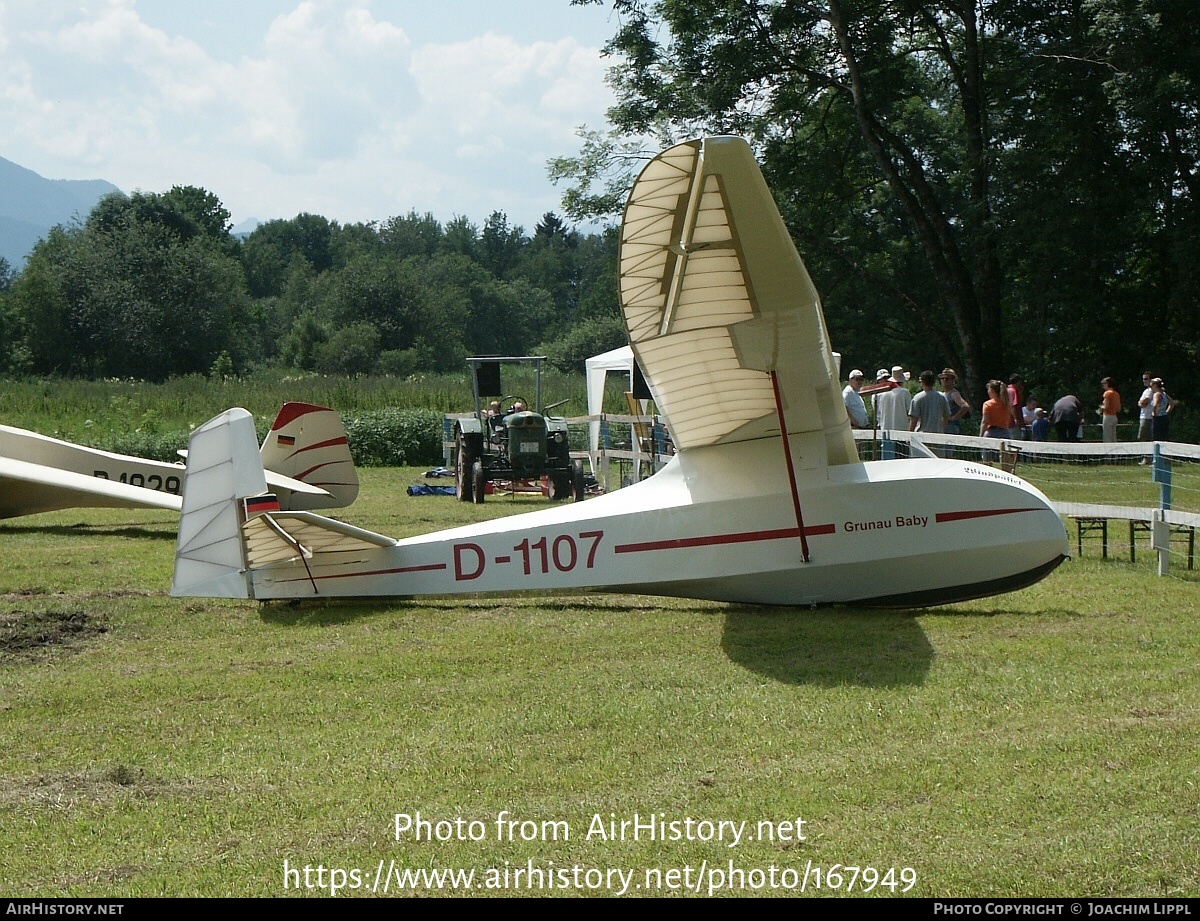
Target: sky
(352, 109)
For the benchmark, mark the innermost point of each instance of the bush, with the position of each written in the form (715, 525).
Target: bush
(380, 438)
(159, 446)
(353, 350)
(395, 437)
(569, 351)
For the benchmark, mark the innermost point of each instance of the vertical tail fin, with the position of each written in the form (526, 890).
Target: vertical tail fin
(308, 443)
(223, 467)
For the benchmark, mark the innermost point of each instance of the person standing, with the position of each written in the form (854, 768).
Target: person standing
(1161, 406)
(891, 406)
(856, 409)
(1067, 416)
(997, 416)
(956, 404)
(1016, 396)
(1110, 407)
(928, 411)
(1145, 412)
(997, 412)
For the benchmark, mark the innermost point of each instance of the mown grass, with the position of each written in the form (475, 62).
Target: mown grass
(1039, 743)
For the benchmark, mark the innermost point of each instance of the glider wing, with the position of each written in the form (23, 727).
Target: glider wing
(27, 488)
(721, 312)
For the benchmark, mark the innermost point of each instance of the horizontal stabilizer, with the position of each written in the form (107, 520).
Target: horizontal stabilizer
(280, 537)
(281, 484)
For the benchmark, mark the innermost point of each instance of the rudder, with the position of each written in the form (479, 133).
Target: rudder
(223, 468)
(309, 443)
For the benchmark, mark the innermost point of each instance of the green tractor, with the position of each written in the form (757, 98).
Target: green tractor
(508, 441)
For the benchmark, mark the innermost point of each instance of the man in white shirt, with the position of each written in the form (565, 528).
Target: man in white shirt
(856, 409)
(891, 406)
(1145, 410)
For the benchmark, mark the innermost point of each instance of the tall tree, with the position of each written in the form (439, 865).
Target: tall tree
(499, 244)
(274, 248)
(142, 289)
(937, 160)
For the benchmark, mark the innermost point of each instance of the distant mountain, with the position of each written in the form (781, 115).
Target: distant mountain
(30, 205)
(245, 228)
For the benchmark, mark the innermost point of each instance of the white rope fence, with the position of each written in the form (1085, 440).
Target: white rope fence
(1154, 487)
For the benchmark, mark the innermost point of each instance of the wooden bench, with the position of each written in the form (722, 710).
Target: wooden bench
(1090, 518)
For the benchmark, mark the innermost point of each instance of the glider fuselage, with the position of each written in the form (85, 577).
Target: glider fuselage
(717, 524)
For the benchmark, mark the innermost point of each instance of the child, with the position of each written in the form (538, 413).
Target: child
(1041, 425)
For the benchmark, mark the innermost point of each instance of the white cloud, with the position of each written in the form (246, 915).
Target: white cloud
(330, 110)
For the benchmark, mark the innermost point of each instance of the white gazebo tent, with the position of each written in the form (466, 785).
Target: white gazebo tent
(598, 366)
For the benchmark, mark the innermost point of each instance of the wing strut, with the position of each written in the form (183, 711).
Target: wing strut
(787, 456)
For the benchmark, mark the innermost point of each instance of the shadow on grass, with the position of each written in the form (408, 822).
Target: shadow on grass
(1053, 612)
(327, 611)
(95, 530)
(829, 647)
(335, 610)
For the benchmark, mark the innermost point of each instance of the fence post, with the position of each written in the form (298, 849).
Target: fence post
(1160, 473)
(1160, 540)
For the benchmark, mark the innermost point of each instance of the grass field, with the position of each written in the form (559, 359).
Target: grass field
(1039, 743)
(93, 412)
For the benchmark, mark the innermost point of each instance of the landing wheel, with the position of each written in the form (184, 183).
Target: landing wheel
(464, 487)
(478, 482)
(578, 488)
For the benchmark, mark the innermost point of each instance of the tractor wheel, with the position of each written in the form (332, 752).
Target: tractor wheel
(559, 487)
(478, 482)
(578, 488)
(464, 487)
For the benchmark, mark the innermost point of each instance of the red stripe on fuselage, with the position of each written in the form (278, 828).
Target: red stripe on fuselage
(681, 543)
(374, 572)
(980, 513)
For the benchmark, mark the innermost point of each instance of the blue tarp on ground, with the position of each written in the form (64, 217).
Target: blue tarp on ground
(420, 489)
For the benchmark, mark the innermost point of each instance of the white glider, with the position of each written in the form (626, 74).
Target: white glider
(306, 454)
(766, 500)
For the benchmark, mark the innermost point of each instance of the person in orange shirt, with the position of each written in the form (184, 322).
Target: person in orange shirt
(997, 421)
(1110, 406)
(997, 418)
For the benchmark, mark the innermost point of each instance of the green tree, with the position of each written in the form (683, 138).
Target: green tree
(277, 248)
(140, 289)
(461, 237)
(500, 245)
(382, 290)
(351, 350)
(411, 235)
(10, 344)
(965, 179)
(897, 90)
(300, 346)
(202, 208)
